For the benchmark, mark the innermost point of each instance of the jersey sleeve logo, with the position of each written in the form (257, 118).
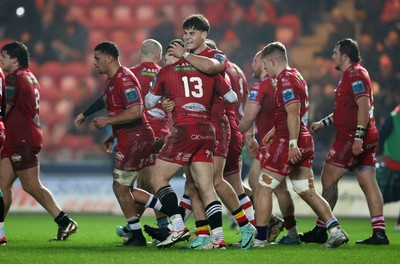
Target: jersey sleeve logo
(131, 94)
(358, 87)
(10, 91)
(288, 94)
(253, 95)
(221, 58)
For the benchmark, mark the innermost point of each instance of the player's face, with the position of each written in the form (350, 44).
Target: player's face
(100, 62)
(169, 58)
(193, 38)
(269, 66)
(337, 58)
(257, 66)
(6, 61)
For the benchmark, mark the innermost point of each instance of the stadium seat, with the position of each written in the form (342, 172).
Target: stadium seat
(95, 37)
(52, 68)
(99, 17)
(292, 21)
(123, 17)
(77, 69)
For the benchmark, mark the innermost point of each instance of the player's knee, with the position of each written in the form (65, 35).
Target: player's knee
(126, 178)
(268, 181)
(300, 186)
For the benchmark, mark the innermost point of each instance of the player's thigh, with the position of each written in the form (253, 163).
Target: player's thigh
(29, 177)
(202, 174)
(367, 178)
(7, 175)
(331, 174)
(164, 171)
(219, 164)
(254, 173)
(235, 180)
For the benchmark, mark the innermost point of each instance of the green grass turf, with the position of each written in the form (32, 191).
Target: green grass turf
(28, 236)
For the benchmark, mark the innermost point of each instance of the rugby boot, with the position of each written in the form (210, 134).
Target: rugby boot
(211, 245)
(174, 237)
(65, 231)
(289, 241)
(316, 235)
(275, 228)
(157, 233)
(3, 241)
(248, 234)
(198, 242)
(336, 241)
(377, 238)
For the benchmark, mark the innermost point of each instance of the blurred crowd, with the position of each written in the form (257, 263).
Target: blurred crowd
(61, 35)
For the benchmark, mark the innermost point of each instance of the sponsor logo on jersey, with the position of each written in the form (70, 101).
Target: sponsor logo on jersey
(131, 94)
(184, 67)
(157, 113)
(196, 107)
(288, 94)
(358, 87)
(253, 95)
(146, 73)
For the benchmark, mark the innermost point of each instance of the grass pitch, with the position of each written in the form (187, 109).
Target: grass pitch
(28, 242)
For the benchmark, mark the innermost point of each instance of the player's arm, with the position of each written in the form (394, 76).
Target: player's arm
(156, 90)
(362, 122)
(131, 113)
(203, 64)
(8, 108)
(363, 111)
(231, 97)
(293, 124)
(324, 122)
(251, 142)
(151, 100)
(250, 114)
(96, 106)
(224, 88)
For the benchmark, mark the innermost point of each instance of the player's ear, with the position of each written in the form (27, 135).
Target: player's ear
(204, 35)
(109, 59)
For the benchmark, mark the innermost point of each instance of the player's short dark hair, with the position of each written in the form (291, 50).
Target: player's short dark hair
(109, 48)
(274, 47)
(349, 47)
(211, 43)
(19, 51)
(196, 22)
(179, 41)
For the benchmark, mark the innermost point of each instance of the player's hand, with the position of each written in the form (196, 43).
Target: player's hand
(252, 145)
(168, 105)
(315, 127)
(177, 50)
(294, 155)
(267, 139)
(100, 122)
(79, 120)
(357, 147)
(109, 143)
